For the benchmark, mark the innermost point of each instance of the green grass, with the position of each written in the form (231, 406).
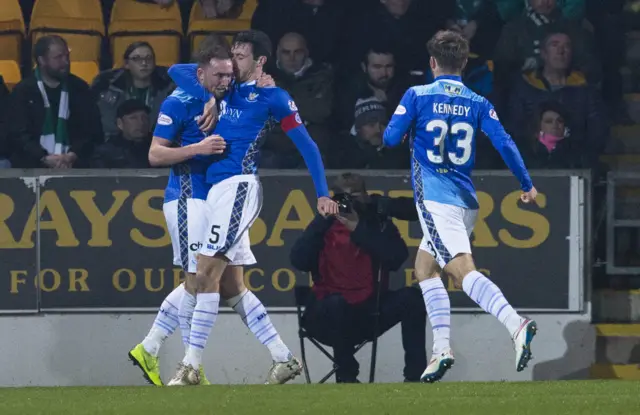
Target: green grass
(547, 398)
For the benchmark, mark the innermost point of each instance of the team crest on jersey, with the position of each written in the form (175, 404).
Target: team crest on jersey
(452, 89)
(252, 96)
(493, 114)
(292, 106)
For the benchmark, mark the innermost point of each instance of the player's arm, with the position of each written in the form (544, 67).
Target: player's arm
(502, 142)
(401, 120)
(186, 78)
(286, 112)
(163, 150)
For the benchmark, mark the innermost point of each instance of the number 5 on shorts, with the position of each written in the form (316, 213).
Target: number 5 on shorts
(215, 235)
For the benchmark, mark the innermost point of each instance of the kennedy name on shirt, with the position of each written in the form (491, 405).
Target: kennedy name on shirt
(441, 108)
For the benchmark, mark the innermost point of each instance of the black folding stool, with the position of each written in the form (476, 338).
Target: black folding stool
(302, 294)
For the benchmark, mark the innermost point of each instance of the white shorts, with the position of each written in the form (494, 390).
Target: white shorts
(446, 230)
(187, 224)
(231, 208)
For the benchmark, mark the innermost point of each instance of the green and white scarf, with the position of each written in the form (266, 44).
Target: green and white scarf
(54, 142)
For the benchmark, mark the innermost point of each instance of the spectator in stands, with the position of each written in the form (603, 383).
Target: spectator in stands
(320, 22)
(519, 46)
(346, 256)
(400, 24)
(5, 150)
(130, 149)
(478, 20)
(139, 79)
(555, 81)
(378, 77)
(548, 143)
(362, 147)
(55, 122)
(310, 84)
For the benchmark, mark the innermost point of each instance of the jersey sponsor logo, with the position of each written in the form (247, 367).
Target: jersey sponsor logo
(252, 97)
(195, 246)
(292, 106)
(232, 113)
(164, 119)
(493, 114)
(401, 110)
(452, 89)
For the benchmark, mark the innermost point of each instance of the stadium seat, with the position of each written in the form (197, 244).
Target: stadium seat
(132, 21)
(10, 71)
(12, 32)
(302, 294)
(200, 26)
(79, 22)
(85, 70)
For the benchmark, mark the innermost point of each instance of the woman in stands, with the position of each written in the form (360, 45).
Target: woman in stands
(139, 78)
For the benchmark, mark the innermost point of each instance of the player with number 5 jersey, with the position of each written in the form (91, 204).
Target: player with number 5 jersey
(446, 118)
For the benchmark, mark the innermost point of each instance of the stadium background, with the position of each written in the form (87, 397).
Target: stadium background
(66, 322)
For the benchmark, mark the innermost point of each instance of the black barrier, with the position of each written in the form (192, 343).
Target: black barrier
(104, 244)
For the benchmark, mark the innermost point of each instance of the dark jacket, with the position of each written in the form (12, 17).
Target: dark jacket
(27, 115)
(111, 88)
(384, 244)
(120, 153)
(563, 156)
(320, 26)
(351, 152)
(587, 117)
(348, 92)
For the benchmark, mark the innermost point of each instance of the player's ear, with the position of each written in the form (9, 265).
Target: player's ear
(432, 63)
(464, 65)
(262, 60)
(200, 75)
(119, 123)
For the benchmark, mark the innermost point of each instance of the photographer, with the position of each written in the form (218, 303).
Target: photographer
(345, 255)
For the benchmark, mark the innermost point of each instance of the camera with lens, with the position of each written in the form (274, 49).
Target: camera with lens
(344, 201)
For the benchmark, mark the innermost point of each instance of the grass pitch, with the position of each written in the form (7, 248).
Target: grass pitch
(547, 398)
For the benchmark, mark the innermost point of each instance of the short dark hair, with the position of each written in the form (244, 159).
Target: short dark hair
(136, 45)
(378, 48)
(214, 46)
(545, 106)
(450, 49)
(130, 106)
(43, 44)
(552, 30)
(259, 41)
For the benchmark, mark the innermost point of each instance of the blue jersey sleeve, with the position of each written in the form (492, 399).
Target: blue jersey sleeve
(185, 76)
(401, 120)
(491, 126)
(170, 120)
(284, 109)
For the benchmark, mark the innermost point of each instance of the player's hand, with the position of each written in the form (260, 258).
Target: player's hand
(530, 196)
(265, 80)
(214, 144)
(209, 117)
(327, 206)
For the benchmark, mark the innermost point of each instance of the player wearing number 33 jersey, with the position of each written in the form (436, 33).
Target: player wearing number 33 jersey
(446, 118)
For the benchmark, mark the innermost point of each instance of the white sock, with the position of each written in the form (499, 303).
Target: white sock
(204, 317)
(488, 296)
(255, 317)
(436, 301)
(165, 323)
(187, 306)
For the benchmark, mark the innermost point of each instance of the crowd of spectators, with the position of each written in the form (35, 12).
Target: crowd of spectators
(551, 68)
